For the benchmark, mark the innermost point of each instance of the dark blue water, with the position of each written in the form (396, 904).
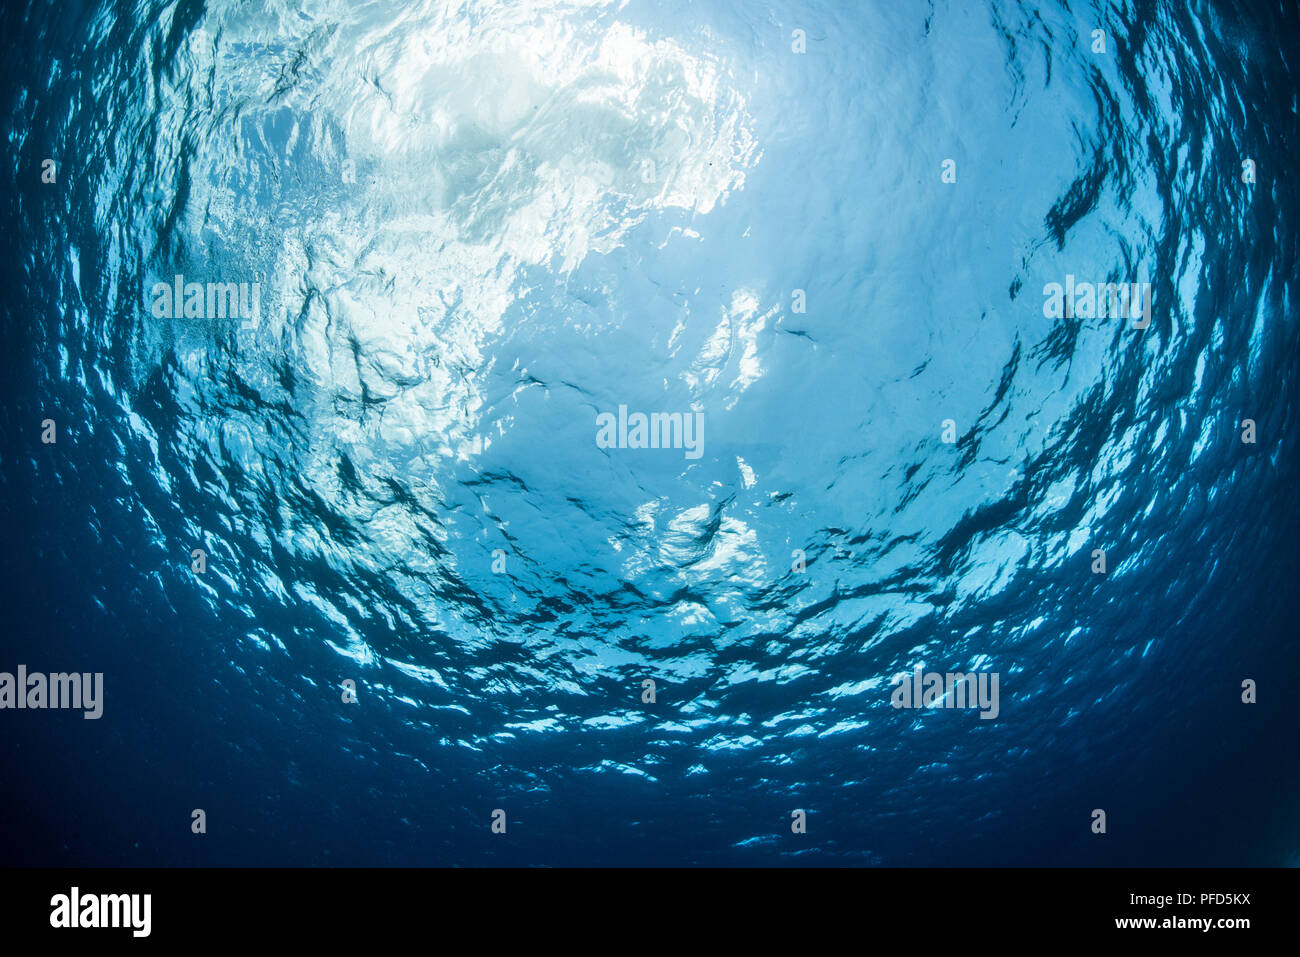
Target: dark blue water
(474, 228)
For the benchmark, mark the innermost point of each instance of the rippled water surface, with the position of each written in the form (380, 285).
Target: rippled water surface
(476, 226)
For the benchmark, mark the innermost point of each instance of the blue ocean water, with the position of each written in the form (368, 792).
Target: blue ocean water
(825, 229)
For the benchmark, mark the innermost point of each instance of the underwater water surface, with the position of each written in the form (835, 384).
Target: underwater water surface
(821, 233)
